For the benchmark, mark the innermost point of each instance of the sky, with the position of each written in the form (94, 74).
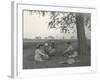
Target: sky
(37, 25)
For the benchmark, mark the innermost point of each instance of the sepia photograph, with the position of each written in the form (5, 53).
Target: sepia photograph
(56, 39)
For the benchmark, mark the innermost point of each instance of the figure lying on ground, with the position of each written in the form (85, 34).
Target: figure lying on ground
(69, 61)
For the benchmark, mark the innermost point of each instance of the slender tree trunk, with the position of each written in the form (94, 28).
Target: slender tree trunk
(81, 33)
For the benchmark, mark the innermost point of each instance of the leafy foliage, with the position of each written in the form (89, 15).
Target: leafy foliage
(62, 21)
(65, 21)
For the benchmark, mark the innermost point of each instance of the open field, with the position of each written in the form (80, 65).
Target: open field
(28, 55)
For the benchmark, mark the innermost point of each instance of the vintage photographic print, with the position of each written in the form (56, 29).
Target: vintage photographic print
(56, 39)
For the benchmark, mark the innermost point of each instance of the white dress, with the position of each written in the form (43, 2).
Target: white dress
(38, 55)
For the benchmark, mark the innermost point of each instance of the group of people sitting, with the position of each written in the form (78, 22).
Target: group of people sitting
(45, 51)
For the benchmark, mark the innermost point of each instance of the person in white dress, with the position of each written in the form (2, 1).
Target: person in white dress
(40, 54)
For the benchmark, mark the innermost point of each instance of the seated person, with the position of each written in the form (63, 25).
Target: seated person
(69, 50)
(46, 47)
(40, 53)
(50, 49)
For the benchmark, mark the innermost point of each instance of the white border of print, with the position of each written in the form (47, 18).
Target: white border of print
(17, 48)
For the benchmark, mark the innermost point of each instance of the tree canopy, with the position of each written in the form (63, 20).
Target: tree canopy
(65, 21)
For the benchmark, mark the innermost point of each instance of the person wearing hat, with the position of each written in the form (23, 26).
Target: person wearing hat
(46, 48)
(52, 49)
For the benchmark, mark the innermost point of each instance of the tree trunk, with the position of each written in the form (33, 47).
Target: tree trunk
(81, 33)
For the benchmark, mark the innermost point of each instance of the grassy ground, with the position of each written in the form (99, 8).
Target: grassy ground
(28, 56)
